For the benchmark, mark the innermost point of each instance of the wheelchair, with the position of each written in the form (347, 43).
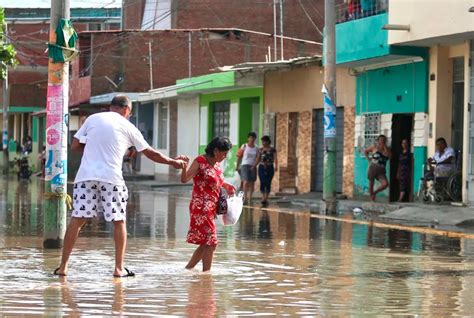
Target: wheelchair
(435, 189)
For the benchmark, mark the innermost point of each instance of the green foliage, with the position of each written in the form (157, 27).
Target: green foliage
(7, 51)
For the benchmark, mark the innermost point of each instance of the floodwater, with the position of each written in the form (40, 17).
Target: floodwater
(270, 264)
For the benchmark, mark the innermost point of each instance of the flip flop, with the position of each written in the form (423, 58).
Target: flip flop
(58, 274)
(129, 274)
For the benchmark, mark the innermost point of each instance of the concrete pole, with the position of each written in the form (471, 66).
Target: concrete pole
(329, 185)
(122, 20)
(150, 59)
(190, 54)
(275, 30)
(6, 104)
(54, 220)
(281, 29)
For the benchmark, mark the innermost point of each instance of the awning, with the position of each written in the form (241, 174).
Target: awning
(105, 99)
(166, 92)
(22, 110)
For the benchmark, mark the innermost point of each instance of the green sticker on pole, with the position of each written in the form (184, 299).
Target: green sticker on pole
(329, 115)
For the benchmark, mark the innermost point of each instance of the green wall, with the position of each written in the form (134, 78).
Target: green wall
(362, 39)
(395, 89)
(208, 81)
(244, 98)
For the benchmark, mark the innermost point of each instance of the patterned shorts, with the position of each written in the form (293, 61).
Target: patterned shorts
(93, 197)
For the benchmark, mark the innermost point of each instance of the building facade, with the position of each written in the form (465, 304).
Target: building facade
(391, 94)
(450, 46)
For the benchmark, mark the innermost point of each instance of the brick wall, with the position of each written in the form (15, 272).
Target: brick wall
(349, 144)
(304, 151)
(28, 82)
(250, 15)
(281, 146)
(123, 56)
(133, 14)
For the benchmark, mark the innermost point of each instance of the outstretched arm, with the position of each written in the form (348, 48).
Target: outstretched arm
(158, 157)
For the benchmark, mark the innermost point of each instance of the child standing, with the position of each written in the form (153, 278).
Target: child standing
(208, 180)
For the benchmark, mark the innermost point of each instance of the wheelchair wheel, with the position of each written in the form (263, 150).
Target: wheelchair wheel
(438, 199)
(454, 186)
(423, 196)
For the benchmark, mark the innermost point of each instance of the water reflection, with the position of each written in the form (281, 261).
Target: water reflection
(270, 263)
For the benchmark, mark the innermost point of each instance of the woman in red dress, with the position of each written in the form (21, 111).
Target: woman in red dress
(208, 181)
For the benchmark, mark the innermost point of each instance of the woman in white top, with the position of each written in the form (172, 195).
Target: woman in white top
(247, 165)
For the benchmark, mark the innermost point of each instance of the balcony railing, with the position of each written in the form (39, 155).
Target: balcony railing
(358, 9)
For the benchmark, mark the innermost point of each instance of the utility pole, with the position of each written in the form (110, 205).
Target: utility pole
(281, 29)
(190, 54)
(329, 92)
(6, 104)
(122, 18)
(54, 220)
(150, 59)
(275, 29)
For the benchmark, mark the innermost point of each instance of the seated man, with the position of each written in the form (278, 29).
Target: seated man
(443, 159)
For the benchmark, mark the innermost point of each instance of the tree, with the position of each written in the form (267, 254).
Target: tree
(7, 51)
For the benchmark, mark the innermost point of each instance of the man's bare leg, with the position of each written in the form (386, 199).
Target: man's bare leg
(70, 238)
(120, 238)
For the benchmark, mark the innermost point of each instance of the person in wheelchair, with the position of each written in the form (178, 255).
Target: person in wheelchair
(442, 164)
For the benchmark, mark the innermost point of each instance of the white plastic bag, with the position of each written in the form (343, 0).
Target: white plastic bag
(235, 180)
(235, 204)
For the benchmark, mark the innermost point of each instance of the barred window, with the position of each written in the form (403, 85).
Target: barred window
(371, 129)
(220, 119)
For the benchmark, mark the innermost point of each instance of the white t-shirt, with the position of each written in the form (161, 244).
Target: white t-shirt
(444, 170)
(250, 155)
(107, 137)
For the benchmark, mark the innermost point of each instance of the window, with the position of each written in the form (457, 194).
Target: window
(220, 119)
(95, 26)
(371, 129)
(162, 126)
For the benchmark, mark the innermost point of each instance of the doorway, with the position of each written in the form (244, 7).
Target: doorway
(402, 127)
(457, 124)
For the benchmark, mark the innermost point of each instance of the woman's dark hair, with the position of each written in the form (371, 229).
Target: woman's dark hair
(381, 136)
(252, 134)
(266, 139)
(219, 143)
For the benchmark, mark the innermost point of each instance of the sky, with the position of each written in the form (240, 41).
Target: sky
(47, 3)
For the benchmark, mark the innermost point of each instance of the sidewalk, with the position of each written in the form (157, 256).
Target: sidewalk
(426, 215)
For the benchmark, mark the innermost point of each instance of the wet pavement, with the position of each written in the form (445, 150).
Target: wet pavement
(272, 264)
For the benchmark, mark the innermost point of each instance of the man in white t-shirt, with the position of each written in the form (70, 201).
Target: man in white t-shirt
(99, 185)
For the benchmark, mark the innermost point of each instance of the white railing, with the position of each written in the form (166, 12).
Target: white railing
(358, 9)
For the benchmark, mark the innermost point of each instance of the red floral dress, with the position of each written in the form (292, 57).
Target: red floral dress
(204, 203)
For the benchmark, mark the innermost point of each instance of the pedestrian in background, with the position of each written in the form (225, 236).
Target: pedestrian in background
(247, 164)
(404, 171)
(99, 185)
(378, 156)
(267, 162)
(208, 180)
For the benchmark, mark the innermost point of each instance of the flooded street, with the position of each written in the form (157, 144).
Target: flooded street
(270, 263)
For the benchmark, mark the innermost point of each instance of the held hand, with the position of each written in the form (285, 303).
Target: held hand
(179, 164)
(254, 167)
(182, 157)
